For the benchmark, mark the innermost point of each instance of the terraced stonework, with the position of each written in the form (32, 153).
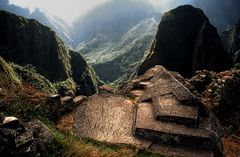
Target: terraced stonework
(160, 115)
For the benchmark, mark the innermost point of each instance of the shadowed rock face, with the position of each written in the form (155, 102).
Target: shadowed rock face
(26, 41)
(231, 38)
(237, 57)
(23, 139)
(83, 75)
(186, 42)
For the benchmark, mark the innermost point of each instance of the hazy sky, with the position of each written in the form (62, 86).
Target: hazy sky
(70, 9)
(66, 9)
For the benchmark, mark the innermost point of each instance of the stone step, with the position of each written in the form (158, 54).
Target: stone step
(180, 92)
(168, 109)
(169, 150)
(67, 104)
(205, 137)
(164, 83)
(136, 93)
(78, 100)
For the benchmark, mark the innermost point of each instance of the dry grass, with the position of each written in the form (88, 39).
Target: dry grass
(81, 148)
(25, 93)
(231, 146)
(65, 124)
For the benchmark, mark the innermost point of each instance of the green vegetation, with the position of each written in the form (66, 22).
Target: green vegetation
(237, 66)
(29, 75)
(8, 77)
(30, 42)
(68, 145)
(67, 87)
(94, 77)
(119, 60)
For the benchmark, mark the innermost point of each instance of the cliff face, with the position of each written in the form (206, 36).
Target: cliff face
(83, 75)
(63, 29)
(26, 41)
(186, 42)
(31, 44)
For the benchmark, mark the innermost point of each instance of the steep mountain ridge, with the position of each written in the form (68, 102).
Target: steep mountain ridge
(63, 29)
(83, 74)
(25, 41)
(186, 42)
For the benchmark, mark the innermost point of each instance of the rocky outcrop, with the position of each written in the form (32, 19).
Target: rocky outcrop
(83, 74)
(8, 77)
(186, 42)
(22, 139)
(62, 28)
(26, 41)
(220, 93)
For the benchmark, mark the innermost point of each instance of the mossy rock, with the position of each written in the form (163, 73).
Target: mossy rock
(29, 75)
(8, 77)
(67, 87)
(237, 66)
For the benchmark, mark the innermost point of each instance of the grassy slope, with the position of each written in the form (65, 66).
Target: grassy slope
(8, 77)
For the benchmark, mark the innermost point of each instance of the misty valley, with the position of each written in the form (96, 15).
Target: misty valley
(120, 78)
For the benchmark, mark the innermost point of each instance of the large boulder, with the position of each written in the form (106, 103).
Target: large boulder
(23, 139)
(186, 42)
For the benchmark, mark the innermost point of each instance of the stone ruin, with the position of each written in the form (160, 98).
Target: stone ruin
(161, 116)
